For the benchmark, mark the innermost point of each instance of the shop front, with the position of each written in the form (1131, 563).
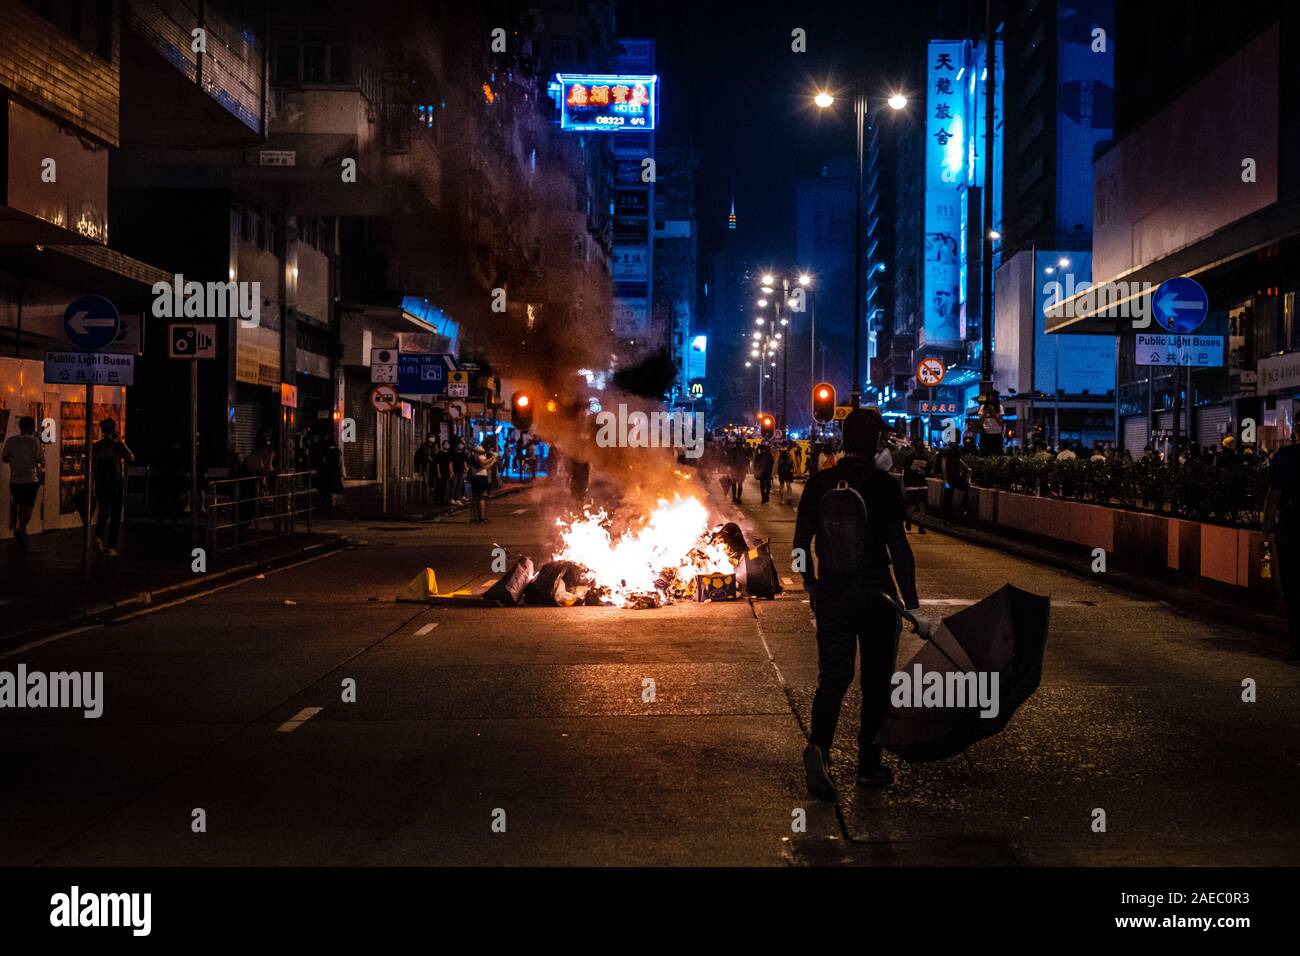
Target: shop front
(60, 414)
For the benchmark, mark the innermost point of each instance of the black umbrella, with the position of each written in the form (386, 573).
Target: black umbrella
(1002, 635)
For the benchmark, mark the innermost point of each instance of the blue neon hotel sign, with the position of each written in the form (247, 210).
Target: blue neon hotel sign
(610, 103)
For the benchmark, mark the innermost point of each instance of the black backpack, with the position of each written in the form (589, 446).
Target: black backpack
(842, 531)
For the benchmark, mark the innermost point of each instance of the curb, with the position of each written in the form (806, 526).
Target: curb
(141, 599)
(1203, 603)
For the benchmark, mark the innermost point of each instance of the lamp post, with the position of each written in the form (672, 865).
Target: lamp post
(896, 102)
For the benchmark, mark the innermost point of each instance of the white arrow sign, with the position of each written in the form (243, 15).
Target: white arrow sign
(80, 323)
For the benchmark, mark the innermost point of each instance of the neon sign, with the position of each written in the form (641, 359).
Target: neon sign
(609, 103)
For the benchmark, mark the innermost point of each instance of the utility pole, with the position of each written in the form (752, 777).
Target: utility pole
(986, 260)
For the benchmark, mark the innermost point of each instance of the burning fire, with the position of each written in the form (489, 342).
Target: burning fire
(668, 550)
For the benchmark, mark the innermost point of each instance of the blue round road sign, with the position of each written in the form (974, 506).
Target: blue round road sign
(1180, 305)
(91, 323)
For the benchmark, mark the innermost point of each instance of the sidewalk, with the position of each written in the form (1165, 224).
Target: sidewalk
(42, 586)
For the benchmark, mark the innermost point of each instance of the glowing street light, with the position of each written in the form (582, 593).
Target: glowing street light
(897, 102)
(823, 99)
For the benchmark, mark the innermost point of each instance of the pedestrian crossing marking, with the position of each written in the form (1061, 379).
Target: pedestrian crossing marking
(519, 511)
(298, 719)
(425, 630)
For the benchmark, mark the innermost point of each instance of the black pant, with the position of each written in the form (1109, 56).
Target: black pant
(1288, 567)
(108, 505)
(737, 484)
(850, 617)
(765, 488)
(948, 489)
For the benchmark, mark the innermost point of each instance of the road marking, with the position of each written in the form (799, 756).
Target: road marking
(425, 630)
(788, 582)
(298, 719)
(520, 511)
(47, 640)
(154, 608)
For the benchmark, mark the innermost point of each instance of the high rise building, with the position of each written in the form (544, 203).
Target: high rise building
(1061, 108)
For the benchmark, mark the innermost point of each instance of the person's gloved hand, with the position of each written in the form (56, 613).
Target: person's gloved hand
(927, 622)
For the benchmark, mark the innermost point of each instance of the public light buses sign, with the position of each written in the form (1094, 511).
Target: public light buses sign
(603, 102)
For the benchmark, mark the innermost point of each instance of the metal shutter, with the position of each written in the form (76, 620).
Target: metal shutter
(248, 422)
(1208, 422)
(1135, 434)
(359, 455)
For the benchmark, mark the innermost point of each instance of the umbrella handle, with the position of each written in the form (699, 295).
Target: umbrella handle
(907, 615)
(920, 628)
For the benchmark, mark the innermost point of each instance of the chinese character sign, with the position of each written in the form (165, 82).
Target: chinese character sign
(612, 103)
(945, 176)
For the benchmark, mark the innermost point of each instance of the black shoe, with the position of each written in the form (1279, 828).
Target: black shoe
(878, 776)
(820, 784)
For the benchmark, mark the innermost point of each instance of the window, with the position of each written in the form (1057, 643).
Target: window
(89, 22)
(315, 56)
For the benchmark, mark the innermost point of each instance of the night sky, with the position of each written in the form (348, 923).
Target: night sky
(732, 87)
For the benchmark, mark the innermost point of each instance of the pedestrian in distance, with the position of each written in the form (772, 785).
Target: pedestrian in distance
(1281, 523)
(853, 513)
(331, 471)
(424, 462)
(483, 460)
(738, 460)
(991, 427)
(956, 478)
(762, 467)
(785, 476)
(111, 456)
(442, 473)
(459, 462)
(25, 456)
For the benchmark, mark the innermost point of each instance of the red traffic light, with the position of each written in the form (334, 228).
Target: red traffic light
(521, 411)
(823, 402)
(766, 424)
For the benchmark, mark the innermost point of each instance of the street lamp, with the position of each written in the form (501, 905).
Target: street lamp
(824, 100)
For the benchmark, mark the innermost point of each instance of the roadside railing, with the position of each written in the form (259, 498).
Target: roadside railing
(243, 512)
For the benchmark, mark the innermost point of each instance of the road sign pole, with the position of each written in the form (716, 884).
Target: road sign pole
(90, 480)
(194, 452)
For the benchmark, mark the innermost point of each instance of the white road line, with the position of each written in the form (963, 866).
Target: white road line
(425, 630)
(47, 640)
(789, 582)
(298, 719)
(520, 511)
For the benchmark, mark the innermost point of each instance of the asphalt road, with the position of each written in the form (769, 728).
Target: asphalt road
(535, 718)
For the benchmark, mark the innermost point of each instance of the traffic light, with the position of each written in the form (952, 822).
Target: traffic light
(766, 425)
(521, 411)
(823, 400)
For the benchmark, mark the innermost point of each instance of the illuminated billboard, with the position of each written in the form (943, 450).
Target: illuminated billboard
(610, 103)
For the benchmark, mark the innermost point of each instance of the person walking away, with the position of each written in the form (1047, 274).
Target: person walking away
(739, 460)
(1282, 530)
(111, 456)
(785, 475)
(484, 459)
(762, 467)
(25, 457)
(991, 427)
(853, 514)
(955, 474)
